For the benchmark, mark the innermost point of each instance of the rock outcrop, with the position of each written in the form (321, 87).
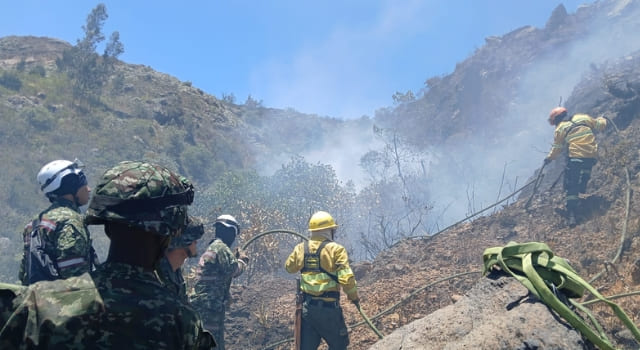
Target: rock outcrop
(497, 313)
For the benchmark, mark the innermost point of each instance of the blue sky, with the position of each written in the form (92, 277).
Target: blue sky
(342, 59)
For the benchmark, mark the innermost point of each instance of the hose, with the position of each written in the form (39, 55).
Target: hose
(470, 216)
(368, 321)
(244, 246)
(537, 183)
(389, 309)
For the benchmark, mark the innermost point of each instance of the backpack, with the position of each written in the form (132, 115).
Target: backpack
(40, 266)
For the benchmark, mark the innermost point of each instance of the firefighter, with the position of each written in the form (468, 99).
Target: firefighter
(577, 132)
(324, 268)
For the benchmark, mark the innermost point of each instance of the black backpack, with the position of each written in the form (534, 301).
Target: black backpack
(40, 266)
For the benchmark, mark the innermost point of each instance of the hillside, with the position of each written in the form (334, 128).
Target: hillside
(474, 120)
(610, 229)
(141, 114)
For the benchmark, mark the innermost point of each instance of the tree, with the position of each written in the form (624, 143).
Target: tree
(396, 203)
(284, 200)
(87, 70)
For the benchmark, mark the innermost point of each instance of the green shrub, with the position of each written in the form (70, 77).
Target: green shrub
(197, 161)
(10, 81)
(38, 70)
(38, 118)
(21, 65)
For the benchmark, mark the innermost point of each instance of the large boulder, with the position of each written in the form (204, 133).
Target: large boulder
(497, 313)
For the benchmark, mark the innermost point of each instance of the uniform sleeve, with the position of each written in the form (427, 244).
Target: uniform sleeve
(345, 276)
(22, 273)
(220, 260)
(558, 142)
(295, 261)
(195, 337)
(240, 266)
(73, 245)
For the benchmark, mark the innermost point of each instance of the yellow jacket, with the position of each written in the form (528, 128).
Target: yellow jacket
(578, 133)
(334, 259)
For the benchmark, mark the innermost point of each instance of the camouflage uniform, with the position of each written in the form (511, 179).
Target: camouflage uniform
(66, 238)
(98, 318)
(216, 268)
(173, 280)
(119, 305)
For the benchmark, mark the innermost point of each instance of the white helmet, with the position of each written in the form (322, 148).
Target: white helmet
(228, 221)
(50, 176)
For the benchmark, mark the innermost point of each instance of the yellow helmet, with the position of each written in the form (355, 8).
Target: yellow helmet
(321, 220)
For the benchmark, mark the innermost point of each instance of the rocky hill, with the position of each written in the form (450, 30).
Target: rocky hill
(604, 246)
(140, 114)
(397, 288)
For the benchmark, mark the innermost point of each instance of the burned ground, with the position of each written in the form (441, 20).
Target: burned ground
(605, 244)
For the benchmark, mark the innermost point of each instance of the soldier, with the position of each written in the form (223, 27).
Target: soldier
(216, 268)
(121, 304)
(324, 268)
(61, 241)
(170, 266)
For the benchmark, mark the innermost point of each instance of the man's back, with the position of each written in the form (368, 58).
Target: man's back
(216, 269)
(578, 134)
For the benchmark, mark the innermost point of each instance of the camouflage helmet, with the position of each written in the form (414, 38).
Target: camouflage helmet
(143, 195)
(193, 232)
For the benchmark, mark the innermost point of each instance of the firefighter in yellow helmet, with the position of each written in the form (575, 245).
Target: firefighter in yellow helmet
(577, 132)
(324, 268)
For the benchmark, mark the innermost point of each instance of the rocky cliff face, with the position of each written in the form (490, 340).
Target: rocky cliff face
(496, 313)
(498, 79)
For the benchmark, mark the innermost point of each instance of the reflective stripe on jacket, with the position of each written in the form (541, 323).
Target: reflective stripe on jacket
(578, 133)
(334, 259)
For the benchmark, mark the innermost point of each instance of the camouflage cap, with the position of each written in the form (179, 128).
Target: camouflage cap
(143, 195)
(193, 232)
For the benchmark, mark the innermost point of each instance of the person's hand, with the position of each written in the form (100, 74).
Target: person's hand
(240, 255)
(547, 161)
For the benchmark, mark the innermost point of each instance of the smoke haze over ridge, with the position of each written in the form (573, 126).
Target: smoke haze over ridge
(467, 174)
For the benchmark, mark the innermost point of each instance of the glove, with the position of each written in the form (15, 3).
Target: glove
(356, 303)
(240, 255)
(547, 161)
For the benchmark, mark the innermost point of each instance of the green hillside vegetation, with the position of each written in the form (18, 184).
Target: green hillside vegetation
(247, 160)
(60, 101)
(173, 124)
